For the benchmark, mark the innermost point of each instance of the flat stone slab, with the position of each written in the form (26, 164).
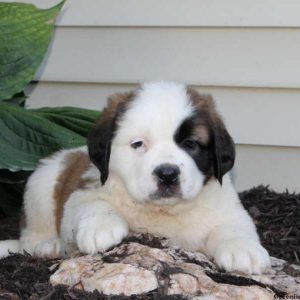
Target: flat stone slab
(144, 263)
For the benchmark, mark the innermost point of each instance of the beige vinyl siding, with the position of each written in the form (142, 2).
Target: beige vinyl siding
(244, 53)
(177, 13)
(206, 56)
(277, 167)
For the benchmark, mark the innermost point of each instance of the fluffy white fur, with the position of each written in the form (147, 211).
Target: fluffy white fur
(209, 217)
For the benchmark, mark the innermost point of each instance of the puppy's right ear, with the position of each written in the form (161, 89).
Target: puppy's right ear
(100, 137)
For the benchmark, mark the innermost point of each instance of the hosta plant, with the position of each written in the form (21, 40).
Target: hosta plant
(27, 135)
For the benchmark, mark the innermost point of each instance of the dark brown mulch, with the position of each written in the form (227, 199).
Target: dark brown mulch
(276, 215)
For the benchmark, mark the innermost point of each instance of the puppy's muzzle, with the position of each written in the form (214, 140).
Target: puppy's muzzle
(167, 174)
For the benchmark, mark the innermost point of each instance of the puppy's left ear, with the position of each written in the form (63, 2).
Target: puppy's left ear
(100, 137)
(99, 145)
(224, 150)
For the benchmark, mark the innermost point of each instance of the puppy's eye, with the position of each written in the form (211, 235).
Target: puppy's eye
(136, 144)
(190, 144)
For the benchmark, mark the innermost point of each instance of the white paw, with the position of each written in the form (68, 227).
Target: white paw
(242, 255)
(98, 233)
(51, 248)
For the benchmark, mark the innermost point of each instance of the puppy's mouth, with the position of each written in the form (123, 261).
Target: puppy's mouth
(166, 195)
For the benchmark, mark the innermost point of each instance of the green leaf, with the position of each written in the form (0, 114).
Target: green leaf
(26, 137)
(25, 33)
(79, 120)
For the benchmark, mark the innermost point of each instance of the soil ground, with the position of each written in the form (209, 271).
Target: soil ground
(276, 215)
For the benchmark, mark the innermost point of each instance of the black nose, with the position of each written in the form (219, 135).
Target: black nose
(167, 173)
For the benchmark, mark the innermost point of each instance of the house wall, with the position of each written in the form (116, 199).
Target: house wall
(244, 53)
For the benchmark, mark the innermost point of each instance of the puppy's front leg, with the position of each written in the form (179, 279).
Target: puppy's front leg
(94, 226)
(235, 247)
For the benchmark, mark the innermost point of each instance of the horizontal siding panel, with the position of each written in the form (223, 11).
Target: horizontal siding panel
(232, 13)
(253, 116)
(220, 57)
(274, 166)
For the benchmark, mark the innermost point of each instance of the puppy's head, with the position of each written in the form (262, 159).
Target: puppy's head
(164, 140)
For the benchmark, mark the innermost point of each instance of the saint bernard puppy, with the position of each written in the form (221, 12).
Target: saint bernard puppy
(164, 154)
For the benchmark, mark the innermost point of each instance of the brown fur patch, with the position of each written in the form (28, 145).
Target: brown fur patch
(116, 105)
(201, 101)
(202, 134)
(205, 102)
(222, 143)
(69, 180)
